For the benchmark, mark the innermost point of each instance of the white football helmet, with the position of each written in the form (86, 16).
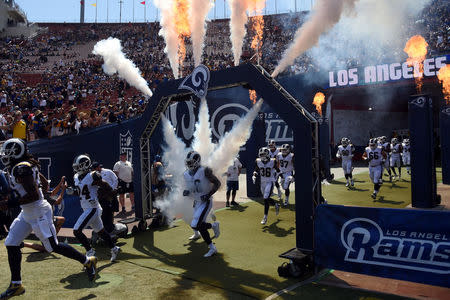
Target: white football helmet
(193, 160)
(264, 154)
(373, 144)
(406, 141)
(82, 164)
(12, 150)
(345, 142)
(271, 144)
(285, 149)
(394, 141)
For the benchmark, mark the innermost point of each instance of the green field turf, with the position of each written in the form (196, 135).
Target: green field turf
(164, 264)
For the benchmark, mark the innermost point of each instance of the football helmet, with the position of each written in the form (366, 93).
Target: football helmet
(13, 150)
(271, 144)
(264, 154)
(394, 141)
(373, 144)
(345, 142)
(406, 141)
(285, 149)
(383, 139)
(193, 160)
(82, 164)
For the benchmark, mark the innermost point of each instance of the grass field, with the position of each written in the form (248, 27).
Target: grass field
(163, 264)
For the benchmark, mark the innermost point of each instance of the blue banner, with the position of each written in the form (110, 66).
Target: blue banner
(412, 245)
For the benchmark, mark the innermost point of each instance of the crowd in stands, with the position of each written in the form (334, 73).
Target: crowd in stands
(70, 92)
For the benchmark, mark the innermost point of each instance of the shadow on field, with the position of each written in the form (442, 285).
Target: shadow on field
(382, 200)
(239, 208)
(214, 271)
(40, 256)
(278, 231)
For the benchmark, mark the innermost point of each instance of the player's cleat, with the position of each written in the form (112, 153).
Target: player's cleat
(286, 203)
(227, 204)
(91, 267)
(234, 203)
(352, 183)
(195, 236)
(264, 220)
(347, 184)
(212, 250)
(216, 229)
(90, 253)
(114, 252)
(390, 178)
(14, 289)
(277, 209)
(374, 195)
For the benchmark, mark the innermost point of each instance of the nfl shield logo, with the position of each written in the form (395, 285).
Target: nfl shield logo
(126, 145)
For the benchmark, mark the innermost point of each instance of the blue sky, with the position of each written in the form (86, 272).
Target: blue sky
(69, 10)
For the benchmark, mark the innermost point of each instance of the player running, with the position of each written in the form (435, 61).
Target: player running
(345, 153)
(406, 155)
(396, 150)
(273, 153)
(286, 161)
(375, 155)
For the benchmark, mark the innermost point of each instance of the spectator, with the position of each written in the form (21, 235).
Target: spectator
(124, 171)
(233, 181)
(19, 127)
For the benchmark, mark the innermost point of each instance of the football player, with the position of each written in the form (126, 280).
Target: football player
(396, 150)
(267, 169)
(406, 155)
(36, 215)
(345, 153)
(386, 146)
(375, 155)
(273, 153)
(286, 161)
(87, 184)
(201, 184)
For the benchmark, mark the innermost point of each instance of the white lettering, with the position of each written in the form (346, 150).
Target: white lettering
(440, 63)
(353, 75)
(370, 74)
(382, 72)
(406, 70)
(342, 77)
(331, 83)
(428, 67)
(394, 72)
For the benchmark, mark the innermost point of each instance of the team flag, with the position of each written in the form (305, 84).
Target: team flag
(143, 2)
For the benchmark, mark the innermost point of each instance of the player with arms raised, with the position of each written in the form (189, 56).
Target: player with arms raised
(286, 161)
(375, 155)
(267, 169)
(345, 153)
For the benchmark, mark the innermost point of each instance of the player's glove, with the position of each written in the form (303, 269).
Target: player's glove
(290, 179)
(185, 193)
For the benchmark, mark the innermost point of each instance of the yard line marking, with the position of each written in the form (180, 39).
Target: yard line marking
(301, 283)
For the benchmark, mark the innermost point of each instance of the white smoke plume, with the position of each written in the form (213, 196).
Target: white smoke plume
(174, 204)
(115, 61)
(169, 33)
(325, 14)
(238, 20)
(202, 142)
(232, 141)
(198, 11)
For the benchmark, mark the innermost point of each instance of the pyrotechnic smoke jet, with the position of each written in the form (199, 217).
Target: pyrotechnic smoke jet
(174, 29)
(199, 11)
(232, 141)
(174, 204)
(444, 79)
(202, 142)
(238, 20)
(416, 48)
(115, 61)
(319, 99)
(325, 14)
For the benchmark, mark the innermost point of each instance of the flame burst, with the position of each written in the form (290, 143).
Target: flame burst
(257, 7)
(252, 94)
(180, 12)
(444, 78)
(319, 99)
(416, 48)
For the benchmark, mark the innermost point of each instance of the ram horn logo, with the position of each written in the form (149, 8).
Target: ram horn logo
(197, 82)
(419, 101)
(446, 111)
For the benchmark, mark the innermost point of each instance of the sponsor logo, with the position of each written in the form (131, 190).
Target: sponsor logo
(366, 243)
(126, 145)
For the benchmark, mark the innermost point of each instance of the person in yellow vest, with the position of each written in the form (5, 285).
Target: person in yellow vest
(19, 127)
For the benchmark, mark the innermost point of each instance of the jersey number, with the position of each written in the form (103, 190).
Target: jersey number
(85, 192)
(373, 155)
(265, 172)
(284, 163)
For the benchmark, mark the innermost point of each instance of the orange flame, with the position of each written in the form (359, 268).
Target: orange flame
(252, 94)
(319, 99)
(257, 7)
(416, 48)
(444, 78)
(180, 11)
